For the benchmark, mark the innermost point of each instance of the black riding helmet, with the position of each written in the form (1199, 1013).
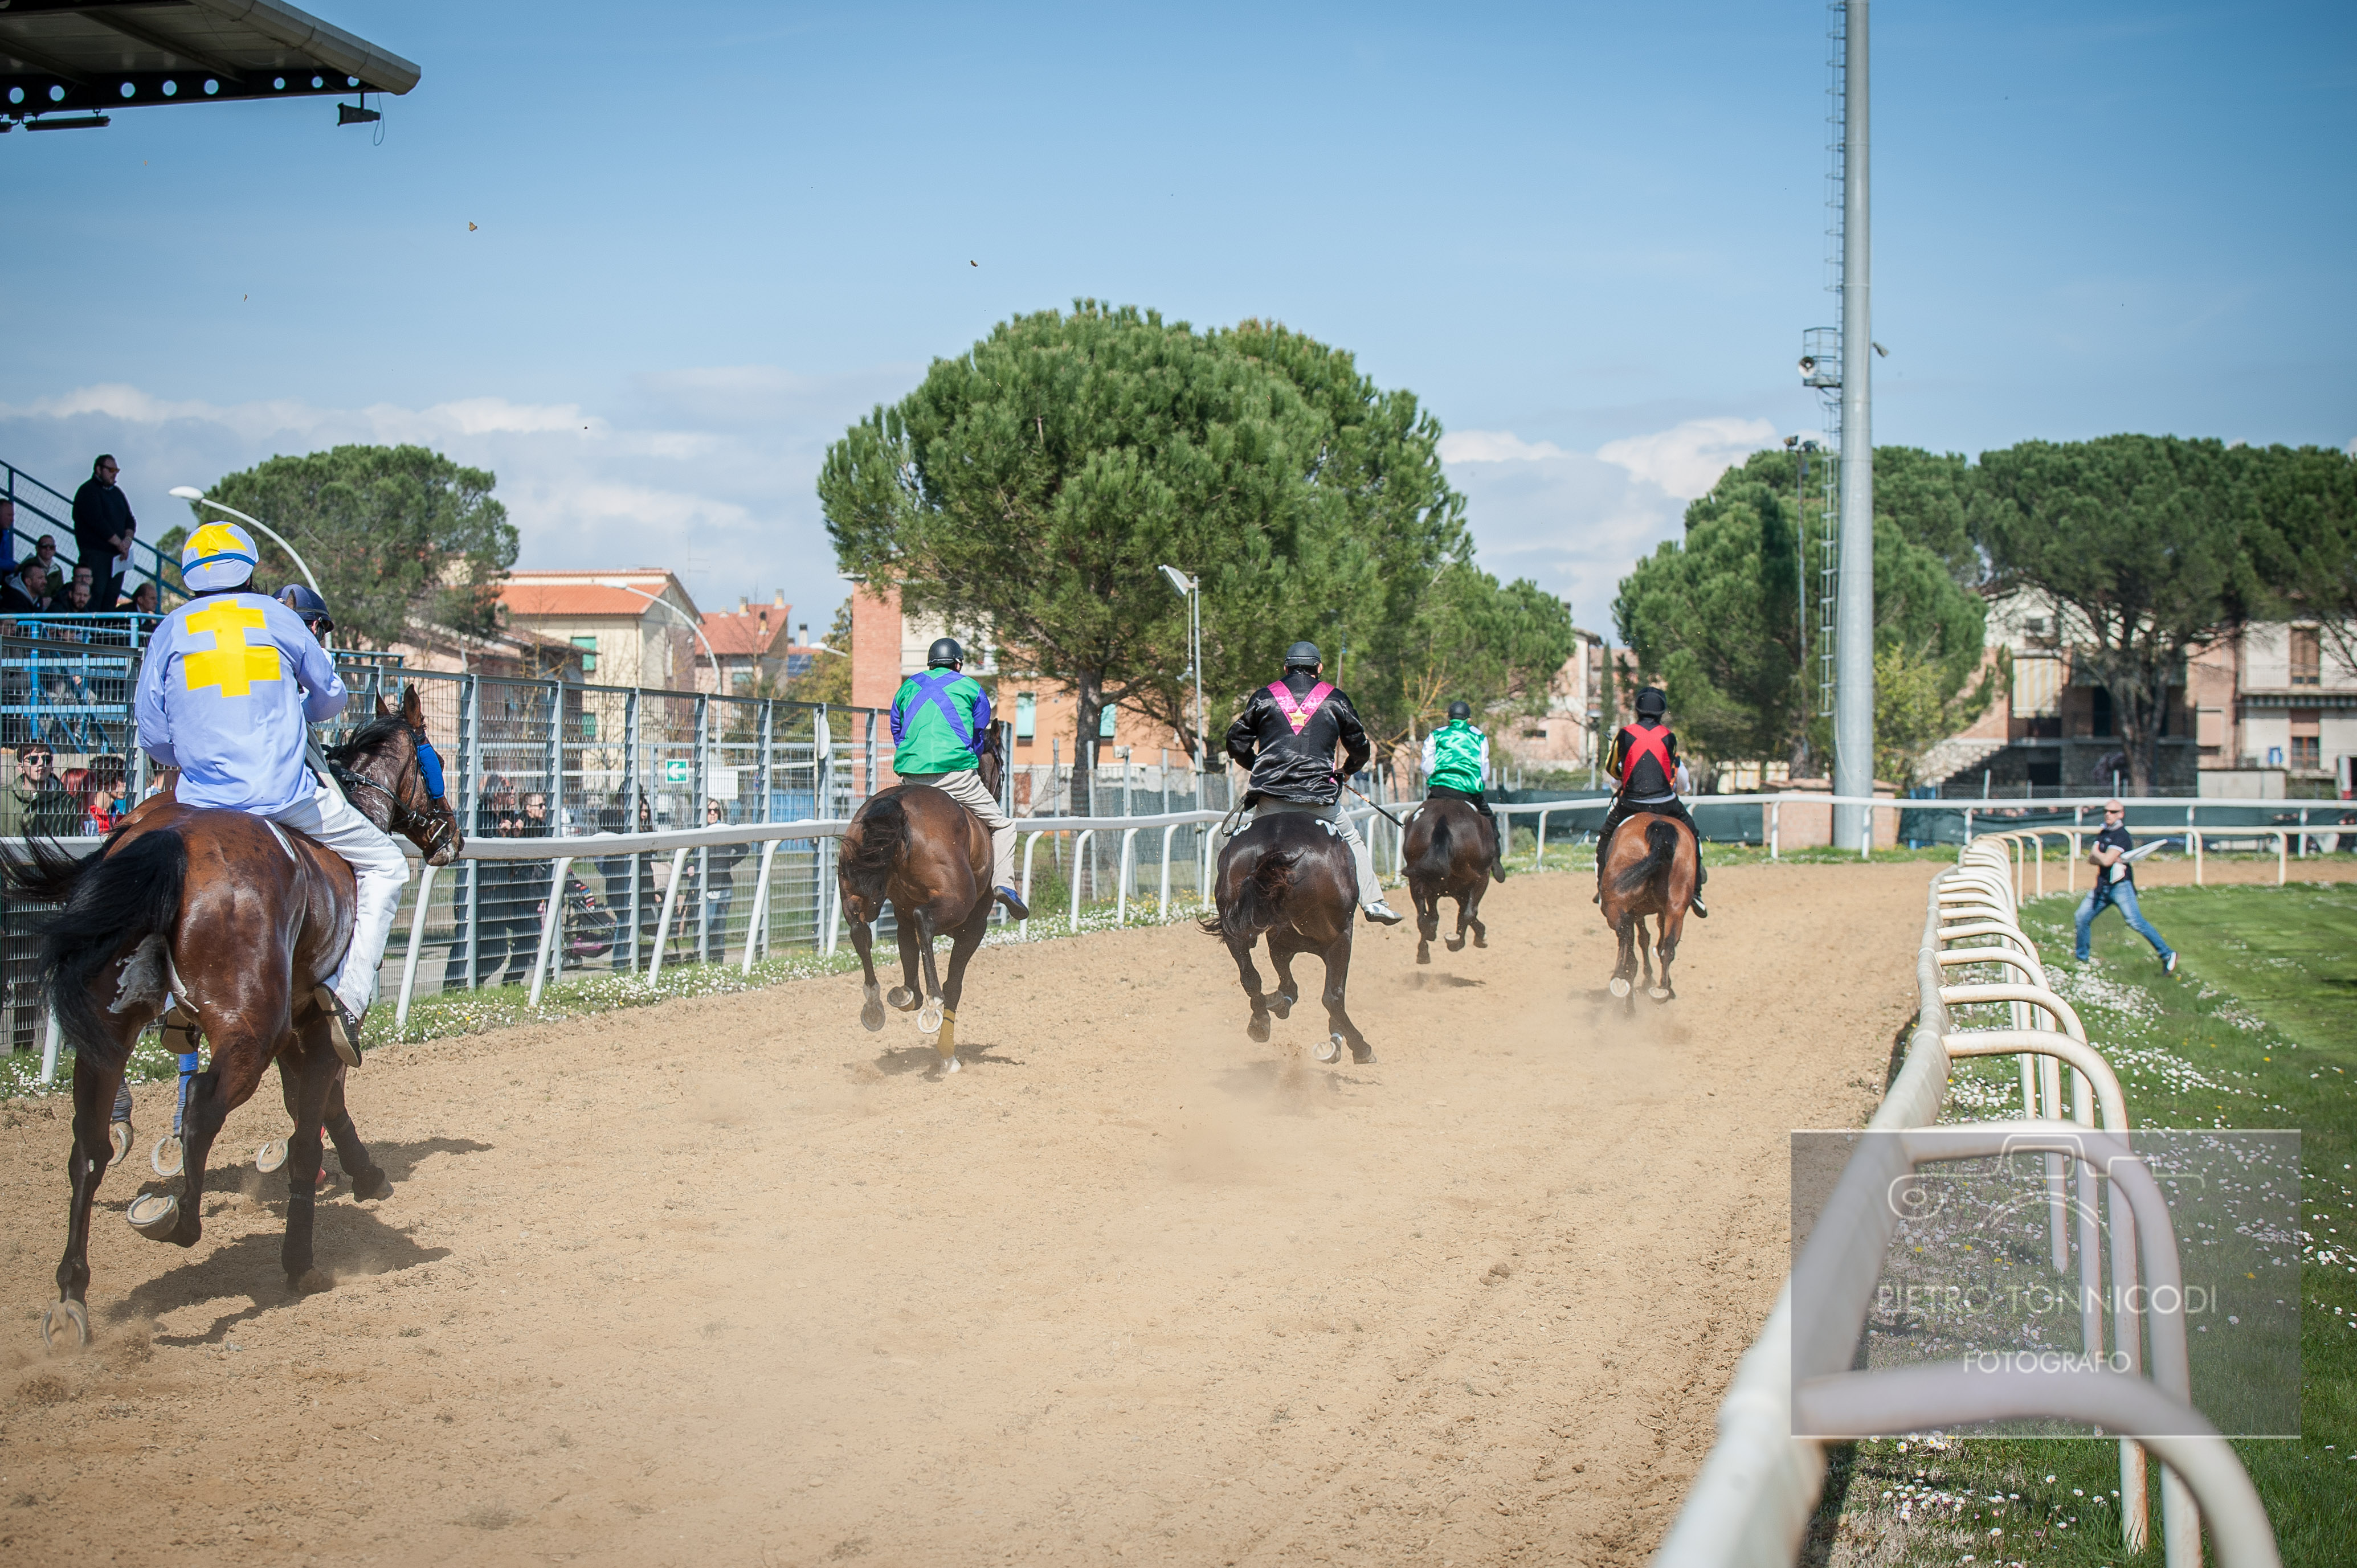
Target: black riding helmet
(1459, 710)
(1303, 656)
(1652, 703)
(945, 651)
(309, 607)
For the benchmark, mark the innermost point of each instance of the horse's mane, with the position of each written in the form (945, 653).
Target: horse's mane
(368, 737)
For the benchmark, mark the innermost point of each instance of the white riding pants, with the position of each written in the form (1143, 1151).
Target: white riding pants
(1370, 891)
(965, 786)
(380, 872)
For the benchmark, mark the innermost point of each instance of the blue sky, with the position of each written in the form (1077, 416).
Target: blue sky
(709, 236)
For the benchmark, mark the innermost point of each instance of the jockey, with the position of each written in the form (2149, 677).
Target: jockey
(939, 721)
(1456, 761)
(230, 679)
(1286, 736)
(1646, 773)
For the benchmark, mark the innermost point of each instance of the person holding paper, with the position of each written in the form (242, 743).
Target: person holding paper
(2112, 855)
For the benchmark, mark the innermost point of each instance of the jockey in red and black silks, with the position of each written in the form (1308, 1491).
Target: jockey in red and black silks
(1644, 765)
(1286, 736)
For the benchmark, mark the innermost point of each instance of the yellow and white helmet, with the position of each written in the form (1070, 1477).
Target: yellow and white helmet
(218, 555)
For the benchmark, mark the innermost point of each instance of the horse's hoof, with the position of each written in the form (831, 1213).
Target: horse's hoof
(929, 1017)
(271, 1157)
(1258, 1027)
(1329, 1049)
(1457, 944)
(1282, 1004)
(949, 1063)
(1658, 992)
(155, 1215)
(1422, 953)
(61, 1316)
(123, 1139)
(166, 1156)
(1362, 1055)
(871, 1015)
(901, 997)
(1619, 986)
(310, 1282)
(371, 1182)
(1480, 939)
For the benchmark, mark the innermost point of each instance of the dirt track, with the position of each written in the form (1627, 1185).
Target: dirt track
(731, 1281)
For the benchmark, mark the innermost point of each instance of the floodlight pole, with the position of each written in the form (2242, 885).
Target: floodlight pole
(1193, 588)
(1853, 646)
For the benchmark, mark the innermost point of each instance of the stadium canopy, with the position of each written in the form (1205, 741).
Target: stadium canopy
(63, 63)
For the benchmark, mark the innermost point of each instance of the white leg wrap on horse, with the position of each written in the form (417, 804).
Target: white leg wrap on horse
(379, 872)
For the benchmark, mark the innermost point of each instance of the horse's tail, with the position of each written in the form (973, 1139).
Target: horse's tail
(883, 835)
(1432, 860)
(1661, 850)
(1259, 903)
(113, 902)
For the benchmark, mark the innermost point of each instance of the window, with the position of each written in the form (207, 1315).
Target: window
(2307, 738)
(589, 646)
(588, 726)
(1026, 715)
(1105, 723)
(2102, 713)
(2307, 658)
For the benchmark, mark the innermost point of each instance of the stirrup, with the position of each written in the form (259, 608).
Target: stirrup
(343, 1026)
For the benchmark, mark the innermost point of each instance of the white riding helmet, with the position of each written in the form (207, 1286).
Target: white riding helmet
(218, 555)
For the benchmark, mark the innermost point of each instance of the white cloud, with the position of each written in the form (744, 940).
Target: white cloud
(1576, 521)
(1686, 459)
(1495, 446)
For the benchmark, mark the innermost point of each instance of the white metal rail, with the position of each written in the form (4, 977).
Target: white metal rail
(1751, 1503)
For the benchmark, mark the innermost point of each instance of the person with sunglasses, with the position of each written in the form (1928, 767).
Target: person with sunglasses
(2116, 885)
(37, 803)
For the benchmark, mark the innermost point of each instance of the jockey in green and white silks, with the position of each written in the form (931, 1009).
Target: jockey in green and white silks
(1455, 766)
(229, 682)
(1286, 736)
(939, 721)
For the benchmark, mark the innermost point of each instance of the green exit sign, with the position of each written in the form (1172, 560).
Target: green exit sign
(679, 770)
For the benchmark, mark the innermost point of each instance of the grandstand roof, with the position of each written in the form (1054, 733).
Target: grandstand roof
(74, 57)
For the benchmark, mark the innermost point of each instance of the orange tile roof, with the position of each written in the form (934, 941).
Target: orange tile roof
(752, 632)
(571, 599)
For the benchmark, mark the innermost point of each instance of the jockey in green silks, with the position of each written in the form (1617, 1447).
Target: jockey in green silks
(939, 721)
(1456, 765)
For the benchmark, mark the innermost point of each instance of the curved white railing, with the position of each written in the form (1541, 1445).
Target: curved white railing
(1794, 1390)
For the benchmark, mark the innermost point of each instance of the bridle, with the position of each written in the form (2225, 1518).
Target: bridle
(431, 831)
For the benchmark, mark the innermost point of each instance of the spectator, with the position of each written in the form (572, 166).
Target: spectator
(85, 580)
(44, 551)
(2116, 885)
(143, 599)
(8, 535)
(527, 892)
(102, 526)
(36, 802)
(28, 592)
(719, 886)
(102, 793)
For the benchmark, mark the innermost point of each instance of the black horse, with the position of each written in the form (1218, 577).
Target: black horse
(1289, 878)
(1447, 854)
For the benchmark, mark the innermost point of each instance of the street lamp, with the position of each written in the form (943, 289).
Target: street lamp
(1191, 588)
(655, 599)
(190, 493)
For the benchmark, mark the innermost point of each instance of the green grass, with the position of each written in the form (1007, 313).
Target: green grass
(2257, 1031)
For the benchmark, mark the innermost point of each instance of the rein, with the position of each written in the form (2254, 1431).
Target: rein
(400, 816)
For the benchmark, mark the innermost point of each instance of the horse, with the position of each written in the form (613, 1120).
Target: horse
(1448, 853)
(1648, 870)
(1289, 877)
(239, 920)
(931, 857)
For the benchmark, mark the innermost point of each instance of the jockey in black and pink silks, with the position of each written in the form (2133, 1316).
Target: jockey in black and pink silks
(1286, 736)
(1645, 772)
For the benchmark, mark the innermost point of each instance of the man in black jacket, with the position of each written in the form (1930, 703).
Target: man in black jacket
(1286, 736)
(103, 528)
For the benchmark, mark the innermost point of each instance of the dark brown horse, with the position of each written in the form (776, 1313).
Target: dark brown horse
(1649, 870)
(240, 921)
(931, 857)
(1447, 854)
(1287, 878)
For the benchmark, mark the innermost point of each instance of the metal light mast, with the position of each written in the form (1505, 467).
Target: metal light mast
(1853, 646)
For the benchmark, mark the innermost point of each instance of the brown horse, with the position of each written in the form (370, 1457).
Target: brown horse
(239, 920)
(931, 857)
(1448, 853)
(1288, 878)
(1649, 870)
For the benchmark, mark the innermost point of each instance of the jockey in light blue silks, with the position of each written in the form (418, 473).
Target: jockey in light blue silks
(231, 682)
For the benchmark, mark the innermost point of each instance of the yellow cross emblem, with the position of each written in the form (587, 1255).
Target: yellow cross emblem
(230, 663)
